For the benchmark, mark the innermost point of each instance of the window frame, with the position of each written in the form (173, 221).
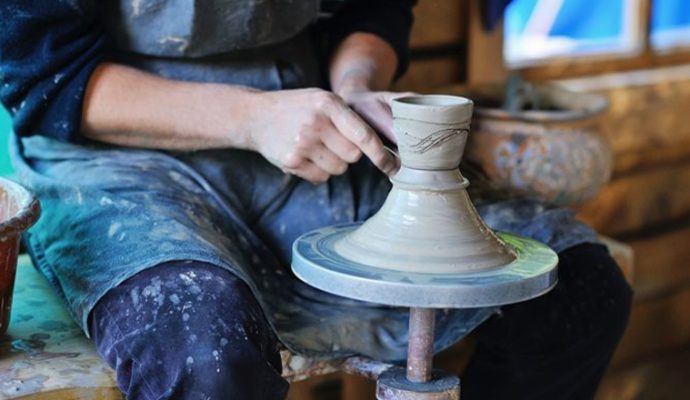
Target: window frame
(646, 57)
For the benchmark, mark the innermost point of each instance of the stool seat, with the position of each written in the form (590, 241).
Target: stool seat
(45, 355)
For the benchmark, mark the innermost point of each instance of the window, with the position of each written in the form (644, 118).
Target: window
(539, 30)
(670, 24)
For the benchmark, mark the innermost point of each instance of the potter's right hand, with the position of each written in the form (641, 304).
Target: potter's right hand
(313, 134)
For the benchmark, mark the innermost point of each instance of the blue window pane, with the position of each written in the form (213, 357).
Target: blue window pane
(537, 30)
(670, 24)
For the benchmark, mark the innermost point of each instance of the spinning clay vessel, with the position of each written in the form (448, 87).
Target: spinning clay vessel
(427, 245)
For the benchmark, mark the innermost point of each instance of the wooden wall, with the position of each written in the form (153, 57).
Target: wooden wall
(438, 45)
(647, 205)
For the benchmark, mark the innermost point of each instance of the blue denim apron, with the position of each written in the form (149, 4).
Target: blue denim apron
(112, 212)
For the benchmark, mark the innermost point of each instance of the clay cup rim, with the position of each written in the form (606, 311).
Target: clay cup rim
(441, 109)
(28, 209)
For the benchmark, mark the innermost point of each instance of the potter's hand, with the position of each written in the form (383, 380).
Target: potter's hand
(313, 134)
(375, 108)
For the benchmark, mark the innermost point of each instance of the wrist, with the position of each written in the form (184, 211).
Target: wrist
(363, 62)
(254, 107)
(230, 111)
(353, 83)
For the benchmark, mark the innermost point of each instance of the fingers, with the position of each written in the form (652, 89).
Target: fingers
(330, 136)
(380, 117)
(379, 114)
(327, 161)
(361, 135)
(309, 171)
(340, 146)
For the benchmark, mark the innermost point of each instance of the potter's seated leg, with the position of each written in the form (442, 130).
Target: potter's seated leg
(187, 330)
(114, 216)
(556, 346)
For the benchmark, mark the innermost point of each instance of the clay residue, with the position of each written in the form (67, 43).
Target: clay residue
(20, 387)
(13, 199)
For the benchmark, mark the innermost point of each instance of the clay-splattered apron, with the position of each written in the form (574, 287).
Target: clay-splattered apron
(111, 212)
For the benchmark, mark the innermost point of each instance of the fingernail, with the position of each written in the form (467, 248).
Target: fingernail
(391, 167)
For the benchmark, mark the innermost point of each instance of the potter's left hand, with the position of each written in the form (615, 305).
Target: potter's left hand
(375, 108)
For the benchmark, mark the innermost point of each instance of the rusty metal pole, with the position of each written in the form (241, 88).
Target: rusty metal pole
(420, 348)
(418, 381)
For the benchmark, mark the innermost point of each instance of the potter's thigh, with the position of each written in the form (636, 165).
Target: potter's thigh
(280, 207)
(110, 213)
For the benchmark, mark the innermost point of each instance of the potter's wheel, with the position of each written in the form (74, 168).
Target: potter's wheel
(531, 274)
(426, 247)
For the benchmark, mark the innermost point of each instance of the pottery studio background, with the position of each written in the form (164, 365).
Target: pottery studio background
(637, 54)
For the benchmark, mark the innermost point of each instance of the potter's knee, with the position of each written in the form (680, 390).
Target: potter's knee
(211, 361)
(598, 293)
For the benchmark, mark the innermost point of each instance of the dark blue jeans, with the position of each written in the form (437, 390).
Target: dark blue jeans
(194, 331)
(186, 330)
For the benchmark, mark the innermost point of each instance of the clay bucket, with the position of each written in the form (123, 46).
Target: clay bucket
(557, 155)
(19, 210)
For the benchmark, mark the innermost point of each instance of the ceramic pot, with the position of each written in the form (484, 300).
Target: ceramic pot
(556, 155)
(428, 223)
(19, 210)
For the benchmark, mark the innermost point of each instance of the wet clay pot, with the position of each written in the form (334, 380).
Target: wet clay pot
(428, 223)
(19, 209)
(426, 246)
(555, 154)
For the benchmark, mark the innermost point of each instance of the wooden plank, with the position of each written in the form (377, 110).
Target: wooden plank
(655, 325)
(559, 69)
(77, 394)
(623, 254)
(660, 319)
(358, 388)
(641, 200)
(426, 75)
(645, 122)
(664, 377)
(485, 62)
(439, 23)
(662, 263)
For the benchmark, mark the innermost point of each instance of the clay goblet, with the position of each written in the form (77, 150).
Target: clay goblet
(431, 137)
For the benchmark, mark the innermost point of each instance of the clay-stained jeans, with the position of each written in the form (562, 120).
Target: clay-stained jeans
(186, 330)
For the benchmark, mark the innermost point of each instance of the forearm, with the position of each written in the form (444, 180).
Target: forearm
(363, 61)
(128, 107)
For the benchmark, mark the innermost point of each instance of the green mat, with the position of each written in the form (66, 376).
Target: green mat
(5, 167)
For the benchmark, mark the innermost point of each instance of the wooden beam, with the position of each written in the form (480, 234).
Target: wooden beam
(645, 122)
(640, 201)
(485, 62)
